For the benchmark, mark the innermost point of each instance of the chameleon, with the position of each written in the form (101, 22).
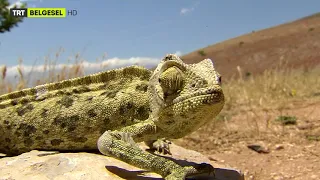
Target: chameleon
(111, 111)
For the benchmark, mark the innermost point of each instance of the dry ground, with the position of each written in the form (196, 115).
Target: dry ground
(293, 149)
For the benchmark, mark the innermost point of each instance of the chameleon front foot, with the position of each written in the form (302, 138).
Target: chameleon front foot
(161, 145)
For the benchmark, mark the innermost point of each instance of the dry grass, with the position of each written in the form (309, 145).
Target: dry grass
(273, 89)
(49, 72)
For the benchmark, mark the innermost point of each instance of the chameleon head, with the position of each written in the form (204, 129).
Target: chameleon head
(183, 97)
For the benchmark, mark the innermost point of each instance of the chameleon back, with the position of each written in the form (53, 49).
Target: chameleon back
(72, 114)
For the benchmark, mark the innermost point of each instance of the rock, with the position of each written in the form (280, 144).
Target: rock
(305, 126)
(279, 146)
(258, 148)
(47, 165)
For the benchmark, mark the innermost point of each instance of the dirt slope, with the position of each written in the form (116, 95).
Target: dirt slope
(297, 43)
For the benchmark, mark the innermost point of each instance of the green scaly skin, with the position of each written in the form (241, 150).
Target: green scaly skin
(113, 110)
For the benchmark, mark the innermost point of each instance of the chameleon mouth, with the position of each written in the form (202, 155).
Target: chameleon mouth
(205, 96)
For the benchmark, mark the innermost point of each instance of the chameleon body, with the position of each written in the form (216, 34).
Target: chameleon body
(112, 110)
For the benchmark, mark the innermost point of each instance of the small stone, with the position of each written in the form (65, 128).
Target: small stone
(305, 126)
(258, 148)
(279, 147)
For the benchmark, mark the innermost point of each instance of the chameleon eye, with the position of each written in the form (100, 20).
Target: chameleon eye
(171, 80)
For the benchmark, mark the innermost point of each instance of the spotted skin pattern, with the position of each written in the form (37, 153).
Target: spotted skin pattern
(113, 110)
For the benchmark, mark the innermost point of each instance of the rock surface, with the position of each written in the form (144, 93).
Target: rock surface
(45, 165)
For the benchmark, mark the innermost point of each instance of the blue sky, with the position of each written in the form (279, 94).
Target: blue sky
(143, 30)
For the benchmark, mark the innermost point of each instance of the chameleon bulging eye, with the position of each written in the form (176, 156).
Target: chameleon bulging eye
(171, 80)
